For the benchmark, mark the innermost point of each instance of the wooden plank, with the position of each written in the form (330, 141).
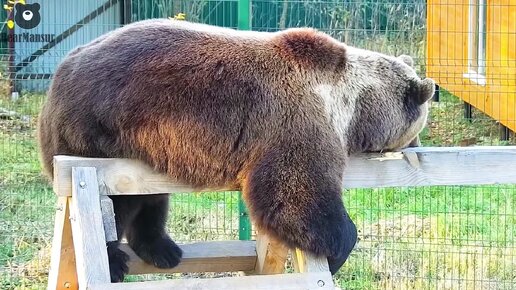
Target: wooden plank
(411, 167)
(88, 229)
(271, 255)
(434, 166)
(62, 273)
(296, 281)
(216, 256)
(115, 176)
(108, 218)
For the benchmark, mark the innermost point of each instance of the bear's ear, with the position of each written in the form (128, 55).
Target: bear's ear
(424, 90)
(35, 7)
(407, 59)
(309, 47)
(18, 6)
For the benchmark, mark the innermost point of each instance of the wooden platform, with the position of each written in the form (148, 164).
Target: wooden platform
(84, 218)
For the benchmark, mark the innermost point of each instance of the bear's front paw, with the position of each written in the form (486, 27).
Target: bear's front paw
(117, 263)
(347, 241)
(162, 253)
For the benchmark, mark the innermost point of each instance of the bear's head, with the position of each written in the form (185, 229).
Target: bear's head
(374, 102)
(392, 101)
(27, 15)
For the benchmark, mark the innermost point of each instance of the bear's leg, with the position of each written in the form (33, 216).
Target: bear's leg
(297, 199)
(147, 236)
(126, 208)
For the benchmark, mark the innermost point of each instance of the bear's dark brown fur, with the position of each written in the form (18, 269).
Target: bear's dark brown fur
(272, 114)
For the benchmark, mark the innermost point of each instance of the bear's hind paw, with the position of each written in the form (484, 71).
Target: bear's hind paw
(117, 263)
(162, 253)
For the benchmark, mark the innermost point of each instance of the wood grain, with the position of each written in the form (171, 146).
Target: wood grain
(271, 255)
(296, 281)
(115, 176)
(88, 229)
(62, 273)
(433, 166)
(216, 256)
(108, 218)
(305, 262)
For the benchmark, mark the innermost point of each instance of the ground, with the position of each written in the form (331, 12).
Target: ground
(410, 238)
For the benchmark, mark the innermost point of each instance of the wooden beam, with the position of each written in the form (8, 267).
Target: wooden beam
(216, 256)
(296, 281)
(411, 167)
(88, 229)
(63, 273)
(434, 166)
(115, 176)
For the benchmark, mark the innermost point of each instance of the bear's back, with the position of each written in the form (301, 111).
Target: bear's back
(171, 92)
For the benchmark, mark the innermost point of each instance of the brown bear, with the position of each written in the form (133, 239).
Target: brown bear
(274, 114)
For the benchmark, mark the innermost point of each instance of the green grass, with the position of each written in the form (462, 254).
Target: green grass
(410, 238)
(417, 238)
(26, 201)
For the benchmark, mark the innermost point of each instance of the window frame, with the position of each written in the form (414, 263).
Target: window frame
(477, 41)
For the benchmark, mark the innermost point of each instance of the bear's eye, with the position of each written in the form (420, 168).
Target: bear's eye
(27, 15)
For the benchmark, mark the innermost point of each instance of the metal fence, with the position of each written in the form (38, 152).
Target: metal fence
(452, 237)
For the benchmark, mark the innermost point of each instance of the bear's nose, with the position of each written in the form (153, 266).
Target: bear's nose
(27, 15)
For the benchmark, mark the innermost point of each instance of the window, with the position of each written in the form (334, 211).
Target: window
(477, 41)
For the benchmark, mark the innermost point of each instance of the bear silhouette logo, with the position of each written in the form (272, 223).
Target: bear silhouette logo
(27, 15)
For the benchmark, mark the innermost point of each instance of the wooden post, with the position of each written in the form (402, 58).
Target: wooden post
(271, 255)
(305, 262)
(308, 263)
(62, 273)
(88, 229)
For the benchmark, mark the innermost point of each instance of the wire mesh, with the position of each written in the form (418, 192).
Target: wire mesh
(453, 237)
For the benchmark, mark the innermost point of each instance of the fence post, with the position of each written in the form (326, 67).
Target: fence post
(244, 14)
(244, 224)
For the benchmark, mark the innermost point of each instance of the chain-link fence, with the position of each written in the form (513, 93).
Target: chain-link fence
(453, 237)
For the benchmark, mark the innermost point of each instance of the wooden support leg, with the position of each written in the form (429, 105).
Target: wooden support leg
(271, 255)
(63, 273)
(307, 263)
(88, 229)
